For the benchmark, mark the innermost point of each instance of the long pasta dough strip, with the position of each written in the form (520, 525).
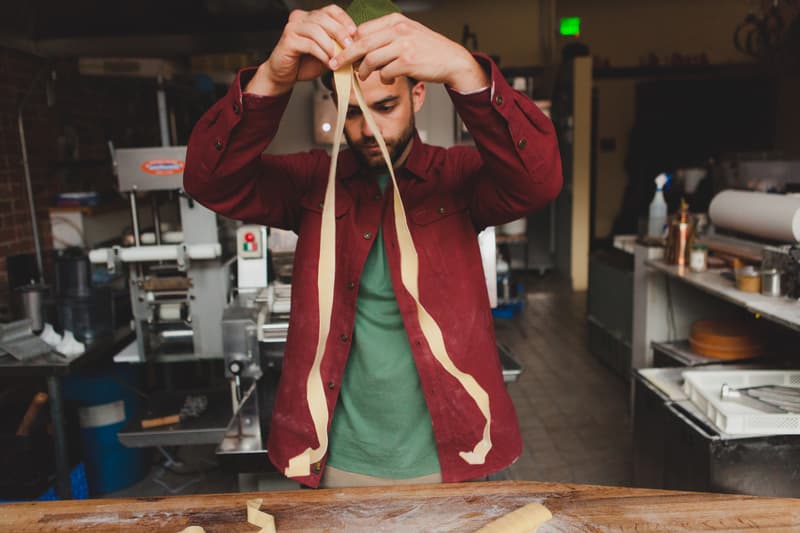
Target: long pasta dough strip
(300, 465)
(409, 273)
(259, 518)
(526, 519)
(255, 516)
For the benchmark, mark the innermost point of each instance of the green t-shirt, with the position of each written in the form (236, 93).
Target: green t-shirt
(381, 426)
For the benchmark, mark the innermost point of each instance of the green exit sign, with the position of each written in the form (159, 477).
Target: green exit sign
(570, 26)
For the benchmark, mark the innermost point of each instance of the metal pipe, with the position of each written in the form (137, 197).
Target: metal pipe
(176, 335)
(163, 122)
(63, 484)
(134, 218)
(28, 186)
(156, 217)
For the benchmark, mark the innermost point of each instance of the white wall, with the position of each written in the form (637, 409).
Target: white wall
(435, 121)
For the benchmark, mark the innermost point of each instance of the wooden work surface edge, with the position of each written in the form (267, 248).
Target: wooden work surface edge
(416, 507)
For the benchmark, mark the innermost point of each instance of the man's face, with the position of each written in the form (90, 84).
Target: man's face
(393, 107)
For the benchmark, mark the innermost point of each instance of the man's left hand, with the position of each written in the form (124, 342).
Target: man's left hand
(396, 46)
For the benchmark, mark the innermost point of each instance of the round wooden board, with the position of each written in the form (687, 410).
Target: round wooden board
(726, 339)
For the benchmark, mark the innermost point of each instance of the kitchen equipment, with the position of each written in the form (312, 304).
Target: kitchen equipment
(515, 227)
(748, 279)
(751, 413)
(190, 280)
(787, 398)
(193, 407)
(726, 339)
(33, 297)
(73, 273)
(742, 396)
(681, 233)
(744, 212)
(28, 420)
(786, 260)
(86, 309)
(770, 282)
(17, 339)
(677, 446)
(88, 318)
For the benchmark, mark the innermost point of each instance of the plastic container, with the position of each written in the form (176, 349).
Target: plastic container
(703, 389)
(88, 318)
(105, 404)
(515, 227)
(658, 209)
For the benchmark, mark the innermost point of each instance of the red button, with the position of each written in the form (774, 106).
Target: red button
(249, 237)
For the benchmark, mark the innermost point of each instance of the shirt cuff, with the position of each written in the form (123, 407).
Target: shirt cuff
(491, 70)
(256, 102)
(474, 91)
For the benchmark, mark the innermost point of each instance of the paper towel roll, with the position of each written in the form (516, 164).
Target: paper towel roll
(770, 216)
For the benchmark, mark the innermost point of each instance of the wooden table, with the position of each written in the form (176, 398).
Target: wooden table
(431, 508)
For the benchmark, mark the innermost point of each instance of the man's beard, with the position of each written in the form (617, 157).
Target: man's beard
(395, 148)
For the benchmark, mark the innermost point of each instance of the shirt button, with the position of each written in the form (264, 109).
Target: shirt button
(321, 205)
(378, 196)
(522, 143)
(442, 210)
(368, 235)
(316, 467)
(218, 144)
(331, 385)
(498, 100)
(343, 337)
(351, 285)
(236, 108)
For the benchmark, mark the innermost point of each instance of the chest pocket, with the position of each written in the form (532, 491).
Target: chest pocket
(436, 209)
(310, 224)
(440, 226)
(312, 204)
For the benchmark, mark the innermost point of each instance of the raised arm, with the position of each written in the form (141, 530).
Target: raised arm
(226, 169)
(517, 167)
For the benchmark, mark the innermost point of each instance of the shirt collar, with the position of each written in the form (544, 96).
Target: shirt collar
(416, 163)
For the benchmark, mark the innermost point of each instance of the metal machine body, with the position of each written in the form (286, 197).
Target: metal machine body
(254, 337)
(179, 291)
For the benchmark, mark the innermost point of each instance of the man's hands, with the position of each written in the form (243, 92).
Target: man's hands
(304, 49)
(394, 45)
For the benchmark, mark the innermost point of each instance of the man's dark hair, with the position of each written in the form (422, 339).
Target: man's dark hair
(327, 80)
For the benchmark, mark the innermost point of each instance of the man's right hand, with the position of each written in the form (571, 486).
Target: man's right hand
(304, 49)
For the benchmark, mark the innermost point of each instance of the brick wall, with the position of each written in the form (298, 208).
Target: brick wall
(66, 142)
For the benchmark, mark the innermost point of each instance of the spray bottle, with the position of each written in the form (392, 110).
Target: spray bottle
(658, 209)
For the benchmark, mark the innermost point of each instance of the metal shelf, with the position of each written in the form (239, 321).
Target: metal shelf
(781, 310)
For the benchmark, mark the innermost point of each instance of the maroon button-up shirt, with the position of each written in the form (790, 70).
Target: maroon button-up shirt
(449, 195)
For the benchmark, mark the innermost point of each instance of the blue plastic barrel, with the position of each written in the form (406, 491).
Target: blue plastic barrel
(105, 404)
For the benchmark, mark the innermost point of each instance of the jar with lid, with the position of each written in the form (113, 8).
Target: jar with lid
(698, 258)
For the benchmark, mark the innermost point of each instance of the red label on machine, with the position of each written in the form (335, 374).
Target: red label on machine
(163, 167)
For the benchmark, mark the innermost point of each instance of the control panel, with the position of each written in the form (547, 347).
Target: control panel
(251, 254)
(249, 243)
